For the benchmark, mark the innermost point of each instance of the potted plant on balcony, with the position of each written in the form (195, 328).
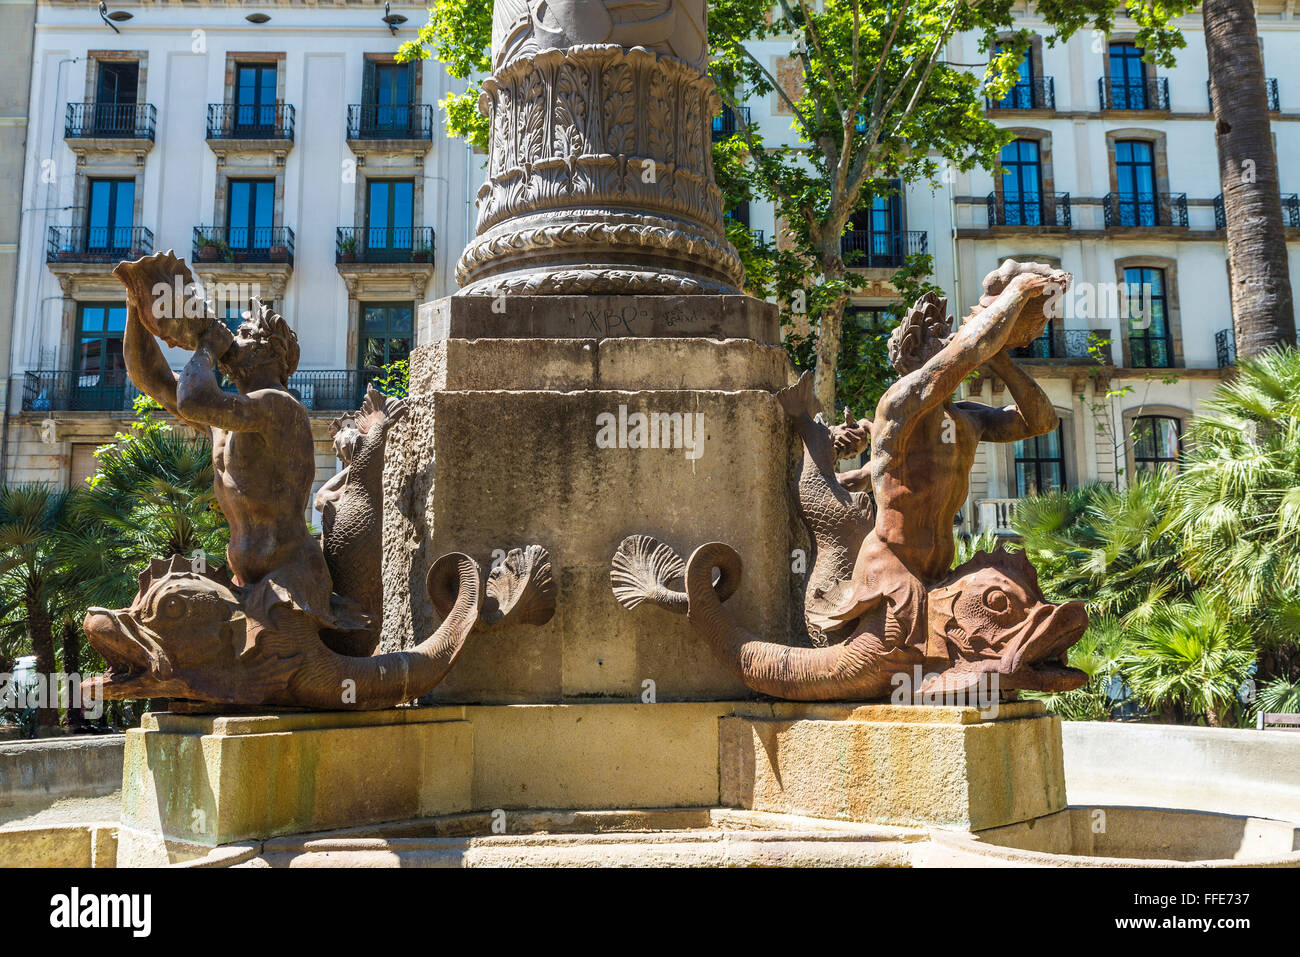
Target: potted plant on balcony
(279, 254)
(421, 254)
(348, 249)
(209, 250)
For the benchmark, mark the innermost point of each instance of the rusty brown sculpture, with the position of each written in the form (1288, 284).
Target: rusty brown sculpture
(281, 631)
(898, 606)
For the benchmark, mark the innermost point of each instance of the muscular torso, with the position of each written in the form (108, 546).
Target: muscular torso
(265, 506)
(920, 477)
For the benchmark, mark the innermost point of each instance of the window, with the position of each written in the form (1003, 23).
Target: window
(873, 237)
(250, 215)
(1135, 173)
(1022, 184)
(1128, 77)
(99, 382)
(737, 214)
(388, 90)
(390, 207)
(1040, 348)
(1040, 464)
(99, 337)
(1156, 440)
(115, 97)
(1150, 342)
(111, 215)
(255, 92)
(386, 333)
(1020, 96)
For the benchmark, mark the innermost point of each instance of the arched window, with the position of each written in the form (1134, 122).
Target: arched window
(1156, 440)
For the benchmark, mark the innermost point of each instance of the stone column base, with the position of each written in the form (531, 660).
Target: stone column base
(885, 764)
(191, 782)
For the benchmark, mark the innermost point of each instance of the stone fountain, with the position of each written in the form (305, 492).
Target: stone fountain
(600, 425)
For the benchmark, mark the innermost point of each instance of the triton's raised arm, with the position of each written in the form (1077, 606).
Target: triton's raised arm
(1033, 412)
(981, 337)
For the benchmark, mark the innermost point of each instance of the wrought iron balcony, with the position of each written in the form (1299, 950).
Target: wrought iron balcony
(1270, 90)
(867, 249)
(384, 244)
(97, 244)
(1151, 93)
(1036, 93)
(1145, 209)
(129, 121)
(760, 237)
(1043, 211)
(729, 121)
(1080, 345)
(1290, 211)
(243, 244)
(68, 390)
(242, 121)
(78, 390)
(406, 122)
(1225, 347)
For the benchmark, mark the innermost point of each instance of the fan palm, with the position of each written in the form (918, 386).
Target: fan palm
(1097, 654)
(1190, 658)
(33, 516)
(152, 497)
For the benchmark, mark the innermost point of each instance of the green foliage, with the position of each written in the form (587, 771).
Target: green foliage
(1279, 696)
(1098, 655)
(150, 497)
(394, 379)
(458, 34)
(1112, 549)
(1191, 657)
(1238, 497)
(968, 546)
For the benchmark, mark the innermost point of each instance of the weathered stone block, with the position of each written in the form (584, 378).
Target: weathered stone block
(936, 767)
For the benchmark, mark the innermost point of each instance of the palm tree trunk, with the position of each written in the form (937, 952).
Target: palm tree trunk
(42, 635)
(1263, 312)
(73, 716)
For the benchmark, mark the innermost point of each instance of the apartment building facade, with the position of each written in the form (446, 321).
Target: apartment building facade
(281, 149)
(1113, 176)
(278, 148)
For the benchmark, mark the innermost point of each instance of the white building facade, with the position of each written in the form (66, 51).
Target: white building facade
(280, 149)
(1114, 177)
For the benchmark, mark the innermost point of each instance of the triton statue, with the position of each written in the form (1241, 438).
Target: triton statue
(294, 624)
(882, 598)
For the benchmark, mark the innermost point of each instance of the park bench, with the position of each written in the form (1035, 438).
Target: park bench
(1278, 722)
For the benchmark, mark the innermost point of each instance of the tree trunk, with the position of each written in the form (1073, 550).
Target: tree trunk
(42, 635)
(74, 715)
(830, 332)
(1263, 312)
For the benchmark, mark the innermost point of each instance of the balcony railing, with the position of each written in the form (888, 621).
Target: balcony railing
(1290, 211)
(1151, 93)
(1037, 93)
(1270, 90)
(384, 244)
(729, 121)
(867, 249)
(74, 390)
(242, 121)
(760, 237)
(240, 244)
(97, 244)
(1145, 209)
(406, 122)
(1225, 347)
(996, 514)
(110, 120)
(1080, 345)
(1050, 210)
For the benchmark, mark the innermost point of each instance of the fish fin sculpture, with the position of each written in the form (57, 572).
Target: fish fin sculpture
(520, 590)
(644, 569)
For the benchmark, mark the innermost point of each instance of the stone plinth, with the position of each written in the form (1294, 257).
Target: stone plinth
(193, 782)
(882, 764)
(190, 782)
(502, 446)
